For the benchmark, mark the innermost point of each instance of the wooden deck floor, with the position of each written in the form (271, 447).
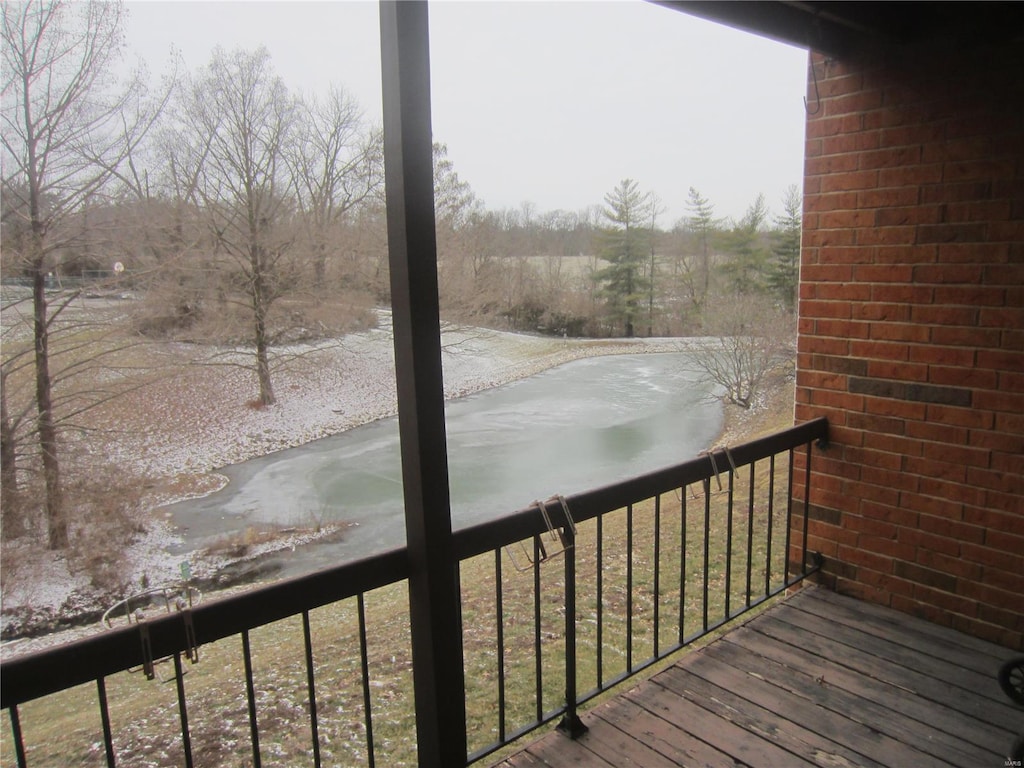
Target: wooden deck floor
(818, 679)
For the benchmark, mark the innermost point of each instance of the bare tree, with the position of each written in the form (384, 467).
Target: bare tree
(749, 339)
(242, 119)
(336, 165)
(65, 135)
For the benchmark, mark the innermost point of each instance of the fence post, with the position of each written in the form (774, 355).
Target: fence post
(435, 611)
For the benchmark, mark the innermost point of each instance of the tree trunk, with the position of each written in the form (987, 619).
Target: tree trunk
(10, 507)
(259, 307)
(56, 521)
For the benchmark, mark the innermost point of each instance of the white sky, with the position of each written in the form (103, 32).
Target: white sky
(548, 102)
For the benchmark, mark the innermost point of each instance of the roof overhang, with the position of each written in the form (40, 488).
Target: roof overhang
(842, 28)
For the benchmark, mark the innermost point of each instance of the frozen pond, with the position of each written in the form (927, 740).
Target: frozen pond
(578, 426)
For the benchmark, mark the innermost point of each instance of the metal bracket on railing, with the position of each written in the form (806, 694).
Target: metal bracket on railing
(556, 534)
(191, 647)
(728, 455)
(147, 651)
(714, 468)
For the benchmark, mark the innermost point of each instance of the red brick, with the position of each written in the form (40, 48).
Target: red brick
(910, 175)
(947, 273)
(850, 142)
(993, 595)
(957, 192)
(963, 417)
(887, 369)
(885, 407)
(902, 235)
(878, 424)
(912, 134)
(959, 494)
(825, 272)
(843, 182)
(975, 378)
(891, 217)
(828, 164)
(823, 345)
(995, 558)
(870, 560)
(1010, 402)
(853, 103)
(978, 211)
(889, 197)
(940, 314)
(845, 329)
(879, 350)
(1004, 274)
(927, 467)
(932, 542)
(835, 201)
(962, 605)
(910, 294)
(976, 169)
(1003, 317)
(956, 356)
(876, 312)
(848, 292)
(956, 454)
(905, 332)
(824, 238)
(904, 254)
(974, 295)
(996, 441)
(971, 337)
(832, 309)
(973, 253)
(890, 157)
(936, 432)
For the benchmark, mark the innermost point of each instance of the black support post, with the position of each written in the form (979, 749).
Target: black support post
(433, 580)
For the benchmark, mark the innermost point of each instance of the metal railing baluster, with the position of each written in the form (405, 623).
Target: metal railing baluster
(771, 526)
(500, 617)
(789, 513)
(19, 743)
(750, 532)
(728, 542)
(657, 573)
(314, 727)
(186, 739)
(599, 559)
(707, 545)
(629, 587)
(538, 659)
(108, 739)
(807, 508)
(364, 666)
(250, 696)
(682, 562)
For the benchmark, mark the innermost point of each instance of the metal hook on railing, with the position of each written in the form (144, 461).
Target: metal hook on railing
(728, 455)
(817, 96)
(556, 534)
(714, 468)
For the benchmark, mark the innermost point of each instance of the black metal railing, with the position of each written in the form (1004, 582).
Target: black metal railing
(560, 602)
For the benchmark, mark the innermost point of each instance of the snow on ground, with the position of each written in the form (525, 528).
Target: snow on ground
(177, 432)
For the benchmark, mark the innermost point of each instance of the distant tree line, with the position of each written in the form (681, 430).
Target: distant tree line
(245, 215)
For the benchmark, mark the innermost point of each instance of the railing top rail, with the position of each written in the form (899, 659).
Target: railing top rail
(38, 674)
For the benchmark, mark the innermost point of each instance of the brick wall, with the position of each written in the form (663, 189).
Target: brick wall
(912, 331)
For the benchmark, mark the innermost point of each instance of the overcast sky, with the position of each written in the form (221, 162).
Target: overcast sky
(548, 102)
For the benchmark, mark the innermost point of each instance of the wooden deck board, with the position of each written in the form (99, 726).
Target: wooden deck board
(818, 679)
